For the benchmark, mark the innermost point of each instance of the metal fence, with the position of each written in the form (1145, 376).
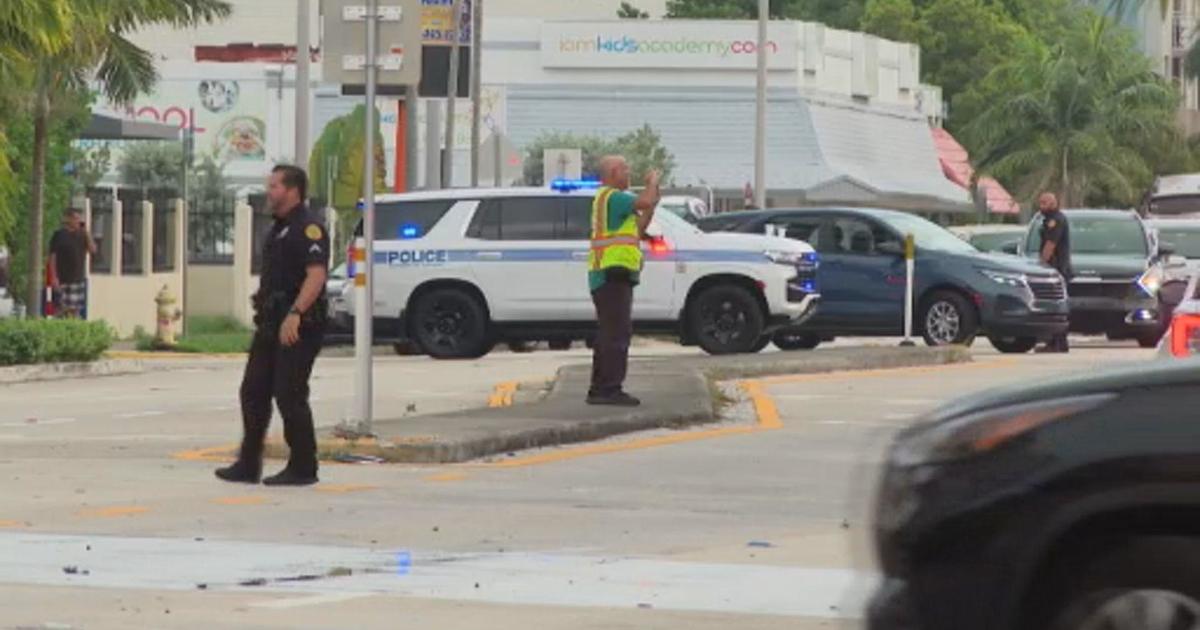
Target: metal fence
(101, 228)
(131, 230)
(163, 245)
(211, 230)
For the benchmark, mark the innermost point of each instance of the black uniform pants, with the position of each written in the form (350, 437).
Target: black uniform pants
(280, 373)
(610, 350)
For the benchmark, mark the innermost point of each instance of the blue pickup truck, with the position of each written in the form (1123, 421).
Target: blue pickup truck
(960, 292)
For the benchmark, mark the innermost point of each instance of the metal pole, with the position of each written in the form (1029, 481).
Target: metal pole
(189, 147)
(497, 139)
(760, 114)
(433, 144)
(364, 280)
(303, 82)
(411, 146)
(476, 86)
(452, 94)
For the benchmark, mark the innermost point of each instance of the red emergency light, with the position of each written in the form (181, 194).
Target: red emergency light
(1185, 335)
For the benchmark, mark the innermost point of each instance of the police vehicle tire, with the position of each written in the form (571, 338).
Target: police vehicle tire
(1124, 577)
(947, 318)
(761, 344)
(726, 319)
(1013, 345)
(787, 340)
(451, 324)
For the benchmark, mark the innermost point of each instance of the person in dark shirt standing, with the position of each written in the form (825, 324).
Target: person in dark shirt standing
(290, 319)
(69, 249)
(1055, 251)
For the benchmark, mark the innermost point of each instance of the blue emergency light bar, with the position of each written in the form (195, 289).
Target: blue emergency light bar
(410, 230)
(568, 185)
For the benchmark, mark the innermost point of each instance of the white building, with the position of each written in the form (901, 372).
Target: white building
(848, 118)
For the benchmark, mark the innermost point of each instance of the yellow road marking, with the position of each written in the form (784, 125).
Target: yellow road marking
(13, 524)
(113, 512)
(447, 476)
(764, 405)
(210, 454)
(344, 488)
(244, 500)
(502, 394)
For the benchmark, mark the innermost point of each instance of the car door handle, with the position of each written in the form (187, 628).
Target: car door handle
(489, 255)
(579, 255)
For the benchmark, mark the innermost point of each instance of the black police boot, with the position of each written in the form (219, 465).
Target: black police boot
(242, 471)
(619, 399)
(293, 476)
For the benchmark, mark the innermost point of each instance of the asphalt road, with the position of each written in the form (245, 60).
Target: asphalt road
(100, 527)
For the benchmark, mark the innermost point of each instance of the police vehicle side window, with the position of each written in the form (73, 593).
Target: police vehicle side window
(518, 219)
(802, 229)
(409, 219)
(577, 224)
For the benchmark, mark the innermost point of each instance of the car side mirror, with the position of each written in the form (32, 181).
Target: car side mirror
(890, 248)
(1011, 248)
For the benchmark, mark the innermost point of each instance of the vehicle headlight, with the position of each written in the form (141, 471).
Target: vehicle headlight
(792, 259)
(1007, 278)
(983, 431)
(1152, 280)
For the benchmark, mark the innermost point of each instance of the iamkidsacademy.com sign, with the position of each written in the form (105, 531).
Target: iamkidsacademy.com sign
(665, 44)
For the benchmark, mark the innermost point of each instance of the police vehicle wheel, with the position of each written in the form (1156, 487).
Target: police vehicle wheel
(947, 318)
(1151, 582)
(788, 340)
(761, 344)
(560, 344)
(726, 319)
(1013, 345)
(451, 324)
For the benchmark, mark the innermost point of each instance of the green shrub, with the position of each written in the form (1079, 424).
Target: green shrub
(24, 341)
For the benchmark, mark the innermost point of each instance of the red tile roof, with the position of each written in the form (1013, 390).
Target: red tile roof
(956, 165)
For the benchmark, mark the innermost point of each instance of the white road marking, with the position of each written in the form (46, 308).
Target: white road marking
(37, 422)
(315, 600)
(140, 414)
(529, 578)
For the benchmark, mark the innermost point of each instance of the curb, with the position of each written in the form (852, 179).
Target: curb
(684, 395)
(59, 371)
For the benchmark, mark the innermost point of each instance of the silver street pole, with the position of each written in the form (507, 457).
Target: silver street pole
(303, 82)
(365, 273)
(760, 114)
(452, 95)
(476, 86)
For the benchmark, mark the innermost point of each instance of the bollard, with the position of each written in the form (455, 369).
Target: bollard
(910, 254)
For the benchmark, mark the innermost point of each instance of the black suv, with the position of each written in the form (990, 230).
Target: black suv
(1072, 505)
(1117, 274)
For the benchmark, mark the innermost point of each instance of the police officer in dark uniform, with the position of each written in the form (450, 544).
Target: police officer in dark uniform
(1056, 252)
(290, 313)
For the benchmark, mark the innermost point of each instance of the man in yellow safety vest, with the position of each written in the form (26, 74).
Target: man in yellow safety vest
(619, 220)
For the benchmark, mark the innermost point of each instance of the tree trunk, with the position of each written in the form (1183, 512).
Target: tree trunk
(1065, 201)
(37, 210)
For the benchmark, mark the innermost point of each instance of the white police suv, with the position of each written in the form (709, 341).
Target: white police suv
(458, 271)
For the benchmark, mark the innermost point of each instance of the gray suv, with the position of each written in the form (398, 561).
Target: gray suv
(1118, 272)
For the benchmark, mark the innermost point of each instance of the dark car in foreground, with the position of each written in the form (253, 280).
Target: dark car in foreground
(1118, 272)
(959, 292)
(1072, 505)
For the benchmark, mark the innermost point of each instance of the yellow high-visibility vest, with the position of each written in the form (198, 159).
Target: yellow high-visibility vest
(613, 248)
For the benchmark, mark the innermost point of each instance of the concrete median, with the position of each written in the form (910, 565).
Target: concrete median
(675, 393)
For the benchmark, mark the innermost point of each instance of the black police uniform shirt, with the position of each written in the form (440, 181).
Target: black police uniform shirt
(1055, 229)
(293, 243)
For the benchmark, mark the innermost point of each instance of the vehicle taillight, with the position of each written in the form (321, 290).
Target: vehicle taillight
(1185, 335)
(659, 245)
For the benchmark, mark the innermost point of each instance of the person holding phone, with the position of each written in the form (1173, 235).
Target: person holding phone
(67, 263)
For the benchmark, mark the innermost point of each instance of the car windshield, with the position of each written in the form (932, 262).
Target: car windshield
(1185, 240)
(994, 241)
(1120, 234)
(929, 235)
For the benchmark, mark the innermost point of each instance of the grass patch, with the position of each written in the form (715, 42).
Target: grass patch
(206, 335)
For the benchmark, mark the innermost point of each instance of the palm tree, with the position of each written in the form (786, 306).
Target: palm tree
(1079, 119)
(98, 50)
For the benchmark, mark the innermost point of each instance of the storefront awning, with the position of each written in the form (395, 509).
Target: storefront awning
(105, 127)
